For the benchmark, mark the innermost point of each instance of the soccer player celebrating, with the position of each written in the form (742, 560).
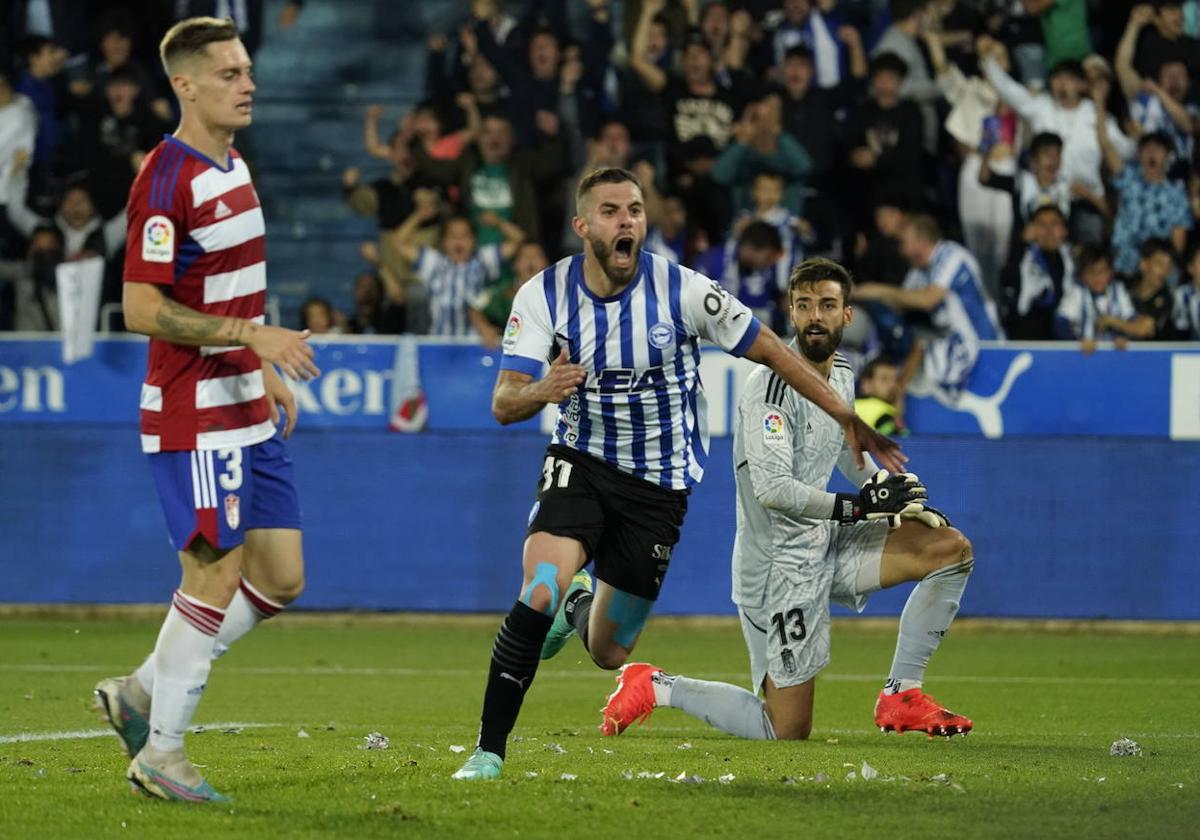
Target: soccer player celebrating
(195, 282)
(621, 329)
(798, 547)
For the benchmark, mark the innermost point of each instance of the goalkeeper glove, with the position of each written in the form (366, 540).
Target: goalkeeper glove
(883, 496)
(928, 516)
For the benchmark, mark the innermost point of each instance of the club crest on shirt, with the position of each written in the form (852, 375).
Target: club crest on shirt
(661, 335)
(512, 331)
(232, 511)
(774, 430)
(158, 234)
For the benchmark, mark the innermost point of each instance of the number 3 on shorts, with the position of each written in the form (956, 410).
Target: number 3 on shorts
(564, 472)
(231, 478)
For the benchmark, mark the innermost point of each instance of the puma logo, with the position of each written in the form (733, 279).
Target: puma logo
(985, 410)
(504, 675)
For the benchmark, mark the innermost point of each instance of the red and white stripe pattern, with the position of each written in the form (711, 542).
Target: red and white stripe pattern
(204, 618)
(264, 606)
(209, 397)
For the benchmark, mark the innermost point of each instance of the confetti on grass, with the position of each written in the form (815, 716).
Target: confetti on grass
(1124, 747)
(375, 741)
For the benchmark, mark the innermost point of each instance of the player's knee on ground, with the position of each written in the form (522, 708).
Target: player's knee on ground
(790, 726)
(947, 547)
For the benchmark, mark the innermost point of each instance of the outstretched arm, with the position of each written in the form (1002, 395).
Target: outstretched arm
(769, 349)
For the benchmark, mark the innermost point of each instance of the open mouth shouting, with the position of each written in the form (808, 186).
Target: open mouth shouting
(622, 252)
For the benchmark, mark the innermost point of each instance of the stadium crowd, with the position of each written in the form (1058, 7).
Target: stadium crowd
(1032, 162)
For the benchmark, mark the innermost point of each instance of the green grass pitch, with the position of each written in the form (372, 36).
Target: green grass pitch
(1046, 708)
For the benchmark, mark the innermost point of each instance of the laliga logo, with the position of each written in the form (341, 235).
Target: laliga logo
(773, 424)
(157, 233)
(513, 329)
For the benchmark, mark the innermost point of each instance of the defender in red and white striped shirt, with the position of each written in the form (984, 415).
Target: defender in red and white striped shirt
(195, 282)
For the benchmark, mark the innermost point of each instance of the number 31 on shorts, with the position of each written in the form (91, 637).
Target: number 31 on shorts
(549, 466)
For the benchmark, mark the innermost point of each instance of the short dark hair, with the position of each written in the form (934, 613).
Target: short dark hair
(314, 301)
(453, 220)
(769, 173)
(816, 269)
(1044, 140)
(869, 370)
(904, 9)
(1092, 254)
(888, 62)
(926, 226)
(1160, 137)
(31, 45)
(1049, 207)
(1073, 66)
(760, 234)
(1155, 245)
(604, 175)
(799, 51)
(125, 73)
(192, 36)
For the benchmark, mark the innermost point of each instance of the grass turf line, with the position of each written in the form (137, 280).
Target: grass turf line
(1032, 768)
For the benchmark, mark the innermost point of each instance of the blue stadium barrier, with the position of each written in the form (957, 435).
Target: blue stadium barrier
(1062, 526)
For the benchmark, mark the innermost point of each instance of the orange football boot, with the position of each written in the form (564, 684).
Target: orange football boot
(916, 711)
(633, 701)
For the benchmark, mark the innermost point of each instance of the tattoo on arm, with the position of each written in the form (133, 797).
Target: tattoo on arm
(181, 324)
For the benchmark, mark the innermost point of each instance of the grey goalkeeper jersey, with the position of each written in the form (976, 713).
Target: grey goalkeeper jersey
(784, 452)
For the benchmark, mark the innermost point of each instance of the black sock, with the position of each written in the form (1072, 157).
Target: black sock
(577, 610)
(515, 657)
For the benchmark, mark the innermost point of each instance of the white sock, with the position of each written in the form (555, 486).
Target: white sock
(727, 707)
(245, 611)
(927, 614)
(182, 660)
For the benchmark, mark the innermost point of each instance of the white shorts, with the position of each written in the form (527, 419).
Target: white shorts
(788, 634)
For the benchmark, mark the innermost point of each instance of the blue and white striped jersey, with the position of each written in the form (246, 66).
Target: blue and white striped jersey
(1187, 311)
(966, 310)
(452, 286)
(1080, 307)
(642, 407)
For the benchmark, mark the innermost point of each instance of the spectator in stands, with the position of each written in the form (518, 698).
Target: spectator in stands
(457, 270)
(1097, 308)
(43, 61)
(979, 122)
(490, 309)
(1151, 205)
(803, 23)
(878, 260)
(1064, 29)
(747, 268)
(1186, 309)
(696, 104)
(1166, 40)
(759, 146)
(424, 123)
(532, 80)
(84, 231)
(944, 282)
(1033, 284)
(880, 401)
(116, 132)
(959, 24)
(116, 32)
(18, 126)
(495, 179)
(809, 111)
(319, 317)
(902, 40)
(247, 14)
(1162, 102)
(667, 233)
(380, 305)
(1148, 289)
(768, 204)
(1065, 112)
(33, 283)
(884, 135)
(707, 200)
(650, 60)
